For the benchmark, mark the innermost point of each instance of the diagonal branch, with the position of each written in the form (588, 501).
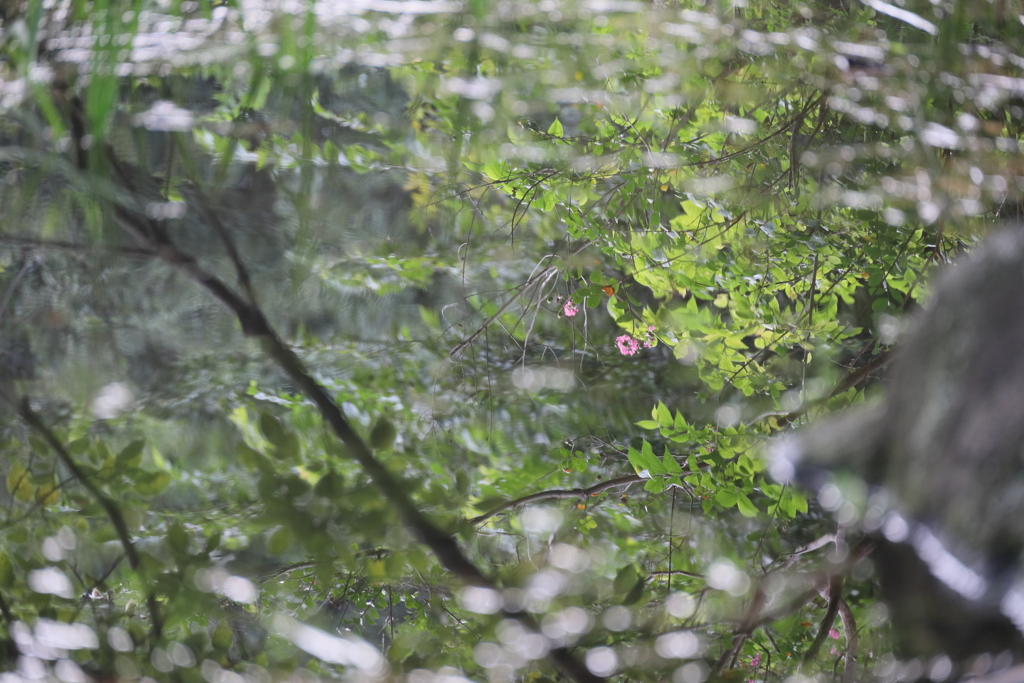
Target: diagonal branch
(852, 642)
(254, 324)
(518, 291)
(556, 494)
(76, 247)
(241, 272)
(113, 512)
(835, 597)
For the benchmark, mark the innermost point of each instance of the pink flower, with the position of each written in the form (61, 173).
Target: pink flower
(570, 309)
(649, 336)
(627, 345)
(756, 661)
(833, 634)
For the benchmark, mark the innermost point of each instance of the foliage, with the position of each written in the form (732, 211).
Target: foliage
(424, 341)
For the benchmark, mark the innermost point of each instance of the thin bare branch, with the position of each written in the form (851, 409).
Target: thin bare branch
(518, 291)
(108, 505)
(77, 247)
(852, 642)
(557, 494)
(677, 572)
(254, 324)
(835, 596)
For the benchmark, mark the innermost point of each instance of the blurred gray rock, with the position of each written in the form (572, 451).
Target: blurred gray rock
(943, 460)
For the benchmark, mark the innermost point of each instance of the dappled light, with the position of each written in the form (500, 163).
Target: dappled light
(436, 342)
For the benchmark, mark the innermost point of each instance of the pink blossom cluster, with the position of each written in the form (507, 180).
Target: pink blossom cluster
(570, 309)
(834, 635)
(630, 345)
(627, 345)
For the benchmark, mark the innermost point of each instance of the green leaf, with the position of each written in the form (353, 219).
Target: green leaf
(636, 461)
(253, 459)
(670, 464)
(726, 497)
(656, 485)
(79, 446)
(331, 485)
(222, 635)
(664, 416)
(151, 483)
(271, 428)
(130, 456)
(635, 593)
(625, 579)
(555, 128)
(382, 433)
(18, 483)
(280, 541)
(289, 447)
(177, 539)
(650, 460)
(743, 504)
(647, 424)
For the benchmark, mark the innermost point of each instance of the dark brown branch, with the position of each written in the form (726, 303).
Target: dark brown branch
(255, 324)
(851, 379)
(6, 611)
(835, 596)
(742, 633)
(794, 605)
(299, 566)
(852, 642)
(816, 544)
(12, 287)
(677, 572)
(795, 119)
(77, 247)
(113, 512)
(858, 376)
(241, 272)
(558, 494)
(520, 290)
(729, 655)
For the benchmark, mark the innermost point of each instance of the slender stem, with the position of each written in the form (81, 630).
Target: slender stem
(556, 494)
(113, 512)
(254, 324)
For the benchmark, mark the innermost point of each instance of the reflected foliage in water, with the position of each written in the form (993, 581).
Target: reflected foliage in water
(564, 267)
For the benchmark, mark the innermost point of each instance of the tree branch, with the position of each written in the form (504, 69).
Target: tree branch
(677, 572)
(852, 642)
(557, 494)
(254, 324)
(835, 596)
(113, 512)
(77, 247)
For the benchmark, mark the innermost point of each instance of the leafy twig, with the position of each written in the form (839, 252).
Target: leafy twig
(519, 290)
(557, 494)
(113, 512)
(254, 324)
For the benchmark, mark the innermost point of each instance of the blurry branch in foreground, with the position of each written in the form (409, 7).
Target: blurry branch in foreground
(77, 247)
(561, 494)
(153, 235)
(108, 505)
